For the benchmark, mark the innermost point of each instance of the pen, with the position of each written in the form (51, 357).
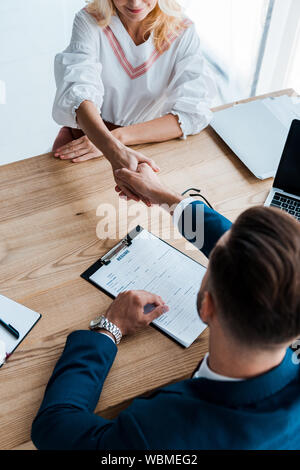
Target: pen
(10, 329)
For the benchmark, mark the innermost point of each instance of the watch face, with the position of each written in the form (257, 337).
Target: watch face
(95, 322)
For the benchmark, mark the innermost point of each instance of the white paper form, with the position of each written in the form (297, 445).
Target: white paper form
(152, 265)
(20, 317)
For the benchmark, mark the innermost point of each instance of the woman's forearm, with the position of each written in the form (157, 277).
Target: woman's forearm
(90, 121)
(157, 130)
(117, 153)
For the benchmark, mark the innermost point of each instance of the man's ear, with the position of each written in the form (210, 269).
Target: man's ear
(207, 309)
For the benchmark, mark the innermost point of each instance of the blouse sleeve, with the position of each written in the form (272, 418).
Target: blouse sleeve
(192, 89)
(78, 72)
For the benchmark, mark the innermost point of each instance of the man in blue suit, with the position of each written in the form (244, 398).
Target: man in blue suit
(245, 393)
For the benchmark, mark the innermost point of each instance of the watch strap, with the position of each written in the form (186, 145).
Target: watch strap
(103, 323)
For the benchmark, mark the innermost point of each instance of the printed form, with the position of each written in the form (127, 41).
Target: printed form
(151, 264)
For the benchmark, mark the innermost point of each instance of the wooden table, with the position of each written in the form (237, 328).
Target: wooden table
(48, 214)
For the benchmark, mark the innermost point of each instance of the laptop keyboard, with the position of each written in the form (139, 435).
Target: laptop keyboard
(288, 204)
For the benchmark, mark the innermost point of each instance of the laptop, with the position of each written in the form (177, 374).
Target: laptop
(285, 193)
(257, 131)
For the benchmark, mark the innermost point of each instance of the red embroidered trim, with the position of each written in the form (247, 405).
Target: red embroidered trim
(135, 72)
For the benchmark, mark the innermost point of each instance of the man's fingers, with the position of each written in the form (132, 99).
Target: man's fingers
(128, 178)
(128, 192)
(150, 298)
(122, 195)
(123, 186)
(157, 312)
(124, 173)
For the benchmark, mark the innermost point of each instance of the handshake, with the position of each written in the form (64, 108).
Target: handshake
(144, 185)
(134, 173)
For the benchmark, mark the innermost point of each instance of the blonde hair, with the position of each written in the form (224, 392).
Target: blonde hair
(165, 20)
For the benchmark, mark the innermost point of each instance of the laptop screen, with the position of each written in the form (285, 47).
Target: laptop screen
(288, 174)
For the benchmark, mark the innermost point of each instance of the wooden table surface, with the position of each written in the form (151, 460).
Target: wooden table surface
(51, 216)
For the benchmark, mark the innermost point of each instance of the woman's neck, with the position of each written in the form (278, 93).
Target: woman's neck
(136, 30)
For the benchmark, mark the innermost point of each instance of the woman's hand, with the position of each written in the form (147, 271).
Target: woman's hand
(78, 150)
(130, 159)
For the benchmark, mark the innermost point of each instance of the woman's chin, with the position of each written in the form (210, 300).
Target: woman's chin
(131, 16)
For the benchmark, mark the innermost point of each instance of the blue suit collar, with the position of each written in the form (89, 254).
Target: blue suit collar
(244, 392)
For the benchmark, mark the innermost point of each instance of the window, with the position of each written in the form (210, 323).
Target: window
(281, 62)
(231, 32)
(293, 72)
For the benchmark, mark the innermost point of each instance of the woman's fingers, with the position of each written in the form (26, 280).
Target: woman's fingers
(76, 148)
(83, 158)
(77, 151)
(151, 163)
(77, 154)
(71, 144)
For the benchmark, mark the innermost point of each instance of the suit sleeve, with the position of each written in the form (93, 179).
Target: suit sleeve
(66, 419)
(199, 224)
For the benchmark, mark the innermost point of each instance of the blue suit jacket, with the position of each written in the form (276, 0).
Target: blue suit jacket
(260, 413)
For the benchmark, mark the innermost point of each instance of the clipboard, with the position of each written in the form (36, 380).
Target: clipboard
(108, 257)
(141, 245)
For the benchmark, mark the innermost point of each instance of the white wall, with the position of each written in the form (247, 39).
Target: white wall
(31, 33)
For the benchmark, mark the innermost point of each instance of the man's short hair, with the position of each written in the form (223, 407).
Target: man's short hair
(255, 278)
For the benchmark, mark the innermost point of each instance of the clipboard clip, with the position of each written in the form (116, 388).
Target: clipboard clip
(106, 259)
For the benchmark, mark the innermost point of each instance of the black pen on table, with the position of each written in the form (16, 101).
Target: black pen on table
(10, 329)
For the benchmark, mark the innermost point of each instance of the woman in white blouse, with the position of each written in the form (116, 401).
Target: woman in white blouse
(133, 73)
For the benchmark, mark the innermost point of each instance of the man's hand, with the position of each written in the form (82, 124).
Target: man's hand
(127, 310)
(147, 185)
(131, 159)
(78, 150)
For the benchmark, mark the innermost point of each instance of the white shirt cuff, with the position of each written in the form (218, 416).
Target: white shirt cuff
(180, 208)
(102, 333)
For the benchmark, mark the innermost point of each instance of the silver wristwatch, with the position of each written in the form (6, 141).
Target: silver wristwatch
(103, 323)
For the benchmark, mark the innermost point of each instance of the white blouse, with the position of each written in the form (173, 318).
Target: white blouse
(130, 84)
